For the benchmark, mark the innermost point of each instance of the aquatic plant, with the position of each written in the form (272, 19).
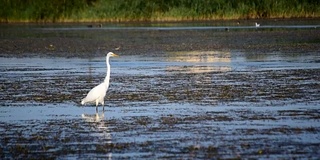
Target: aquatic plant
(153, 10)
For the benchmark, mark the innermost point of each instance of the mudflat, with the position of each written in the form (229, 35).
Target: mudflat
(77, 40)
(190, 91)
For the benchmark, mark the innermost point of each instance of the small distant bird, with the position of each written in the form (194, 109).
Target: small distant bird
(257, 24)
(93, 26)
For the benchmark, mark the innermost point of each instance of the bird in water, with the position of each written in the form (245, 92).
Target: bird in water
(93, 26)
(257, 24)
(98, 93)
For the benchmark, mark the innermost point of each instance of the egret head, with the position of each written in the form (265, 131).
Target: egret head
(111, 54)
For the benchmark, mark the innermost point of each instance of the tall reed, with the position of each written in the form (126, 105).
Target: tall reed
(152, 10)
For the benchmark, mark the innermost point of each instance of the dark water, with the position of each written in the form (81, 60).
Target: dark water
(181, 104)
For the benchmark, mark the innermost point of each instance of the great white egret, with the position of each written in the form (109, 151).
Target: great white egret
(98, 93)
(257, 24)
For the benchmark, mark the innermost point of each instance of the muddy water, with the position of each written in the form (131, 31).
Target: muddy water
(179, 104)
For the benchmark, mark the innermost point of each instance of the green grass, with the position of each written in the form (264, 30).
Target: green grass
(153, 10)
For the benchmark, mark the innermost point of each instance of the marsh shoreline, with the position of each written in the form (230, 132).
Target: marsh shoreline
(76, 40)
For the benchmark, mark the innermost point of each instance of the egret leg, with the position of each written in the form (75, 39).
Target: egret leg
(97, 103)
(102, 105)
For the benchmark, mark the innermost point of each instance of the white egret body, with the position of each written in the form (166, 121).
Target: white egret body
(257, 24)
(98, 93)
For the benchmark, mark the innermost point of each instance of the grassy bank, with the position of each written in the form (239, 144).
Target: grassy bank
(153, 10)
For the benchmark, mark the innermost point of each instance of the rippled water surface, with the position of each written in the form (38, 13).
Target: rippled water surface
(180, 104)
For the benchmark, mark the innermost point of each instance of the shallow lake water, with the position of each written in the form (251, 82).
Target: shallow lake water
(180, 104)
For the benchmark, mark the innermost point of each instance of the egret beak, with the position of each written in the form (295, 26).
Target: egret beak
(115, 55)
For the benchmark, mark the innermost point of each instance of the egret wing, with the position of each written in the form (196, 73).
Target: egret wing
(95, 93)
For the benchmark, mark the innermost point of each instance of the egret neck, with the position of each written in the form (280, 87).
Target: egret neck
(106, 80)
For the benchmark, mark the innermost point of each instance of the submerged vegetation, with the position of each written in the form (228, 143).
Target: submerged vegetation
(153, 10)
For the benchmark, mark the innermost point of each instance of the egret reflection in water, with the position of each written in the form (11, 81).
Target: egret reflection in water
(97, 117)
(99, 129)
